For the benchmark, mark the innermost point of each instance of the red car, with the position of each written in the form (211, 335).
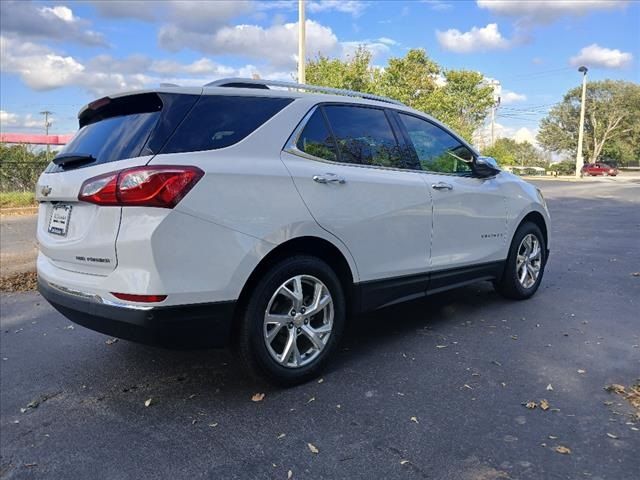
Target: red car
(595, 169)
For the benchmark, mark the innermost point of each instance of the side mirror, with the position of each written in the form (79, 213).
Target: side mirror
(486, 166)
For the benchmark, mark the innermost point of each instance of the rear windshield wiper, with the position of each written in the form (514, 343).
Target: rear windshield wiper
(69, 158)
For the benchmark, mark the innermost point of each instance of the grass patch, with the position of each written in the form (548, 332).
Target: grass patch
(17, 199)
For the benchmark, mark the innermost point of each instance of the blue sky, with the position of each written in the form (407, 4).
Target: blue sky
(60, 55)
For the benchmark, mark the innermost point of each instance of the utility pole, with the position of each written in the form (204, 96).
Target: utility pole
(493, 124)
(579, 159)
(301, 42)
(47, 124)
(497, 90)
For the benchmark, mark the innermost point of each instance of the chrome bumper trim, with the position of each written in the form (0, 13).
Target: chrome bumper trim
(96, 298)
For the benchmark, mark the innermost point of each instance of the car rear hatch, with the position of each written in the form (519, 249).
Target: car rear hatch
(115, 133)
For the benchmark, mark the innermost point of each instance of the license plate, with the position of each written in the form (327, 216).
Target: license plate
(59, 223)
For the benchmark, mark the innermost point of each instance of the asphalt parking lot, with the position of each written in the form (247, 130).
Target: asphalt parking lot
(433, 389)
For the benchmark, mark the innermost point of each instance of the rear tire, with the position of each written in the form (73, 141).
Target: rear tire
(525, 265)
(292, 321)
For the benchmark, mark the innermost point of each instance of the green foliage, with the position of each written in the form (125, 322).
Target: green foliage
(458, 98)
(509, 152)
(462, 103)
(355, 73)
(612, 122)
(20, 167)
(565, 167)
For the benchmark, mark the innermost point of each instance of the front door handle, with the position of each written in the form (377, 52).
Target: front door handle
(328, 178)
(442, 186)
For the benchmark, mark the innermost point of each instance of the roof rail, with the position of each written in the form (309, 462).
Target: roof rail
(252, 83)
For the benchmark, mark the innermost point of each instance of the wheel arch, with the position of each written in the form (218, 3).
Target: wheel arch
(306, 245)
(537, 219)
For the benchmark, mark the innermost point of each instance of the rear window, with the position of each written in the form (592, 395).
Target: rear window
(125, 127)
(220, 121)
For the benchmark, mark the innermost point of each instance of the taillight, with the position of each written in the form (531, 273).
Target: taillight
(139, 298)
(153, 186)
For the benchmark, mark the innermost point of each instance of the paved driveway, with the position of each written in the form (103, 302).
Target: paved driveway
(433, 389)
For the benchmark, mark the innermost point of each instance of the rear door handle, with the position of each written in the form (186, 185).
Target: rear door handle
(328, 178)
(442, 186)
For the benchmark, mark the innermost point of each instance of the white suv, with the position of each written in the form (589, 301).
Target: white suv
(266, 217)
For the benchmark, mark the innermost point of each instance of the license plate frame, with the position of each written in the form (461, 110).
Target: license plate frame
(60, 218)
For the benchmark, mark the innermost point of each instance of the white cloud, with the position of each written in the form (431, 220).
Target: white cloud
(388, 41)
(276, 44)
(475, 40)
(508, 97)
(482, 136)
(44, 69)
(438, 5)
(60, 11)
(16, 121)
(354, 7)
(38, 66)
(546, 11)
(28, 21)
(596, 56)
(376, 48)
(525, 134)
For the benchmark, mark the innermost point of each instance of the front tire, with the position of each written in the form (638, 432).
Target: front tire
(293, 321)
(525, 265)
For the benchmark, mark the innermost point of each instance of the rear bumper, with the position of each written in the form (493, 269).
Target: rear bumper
(201, 325)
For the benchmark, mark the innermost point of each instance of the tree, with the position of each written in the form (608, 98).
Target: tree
(509, 152)
(20, 167)
(458, 98)
(462, 103)
(502, 150)
(355, 73)
(612, 122)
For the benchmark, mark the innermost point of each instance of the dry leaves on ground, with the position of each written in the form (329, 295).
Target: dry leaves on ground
(313, 448)
(257, 397)
(631, 394)
(562, 449)
(531, 405)
(544, 405)
(20, 282)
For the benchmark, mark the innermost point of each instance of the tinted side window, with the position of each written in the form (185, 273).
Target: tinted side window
(316, 139)
(220, 121)
(437, 150)
(364, 136)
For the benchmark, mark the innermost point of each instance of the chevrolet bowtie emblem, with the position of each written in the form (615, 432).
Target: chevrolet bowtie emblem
(45, 190)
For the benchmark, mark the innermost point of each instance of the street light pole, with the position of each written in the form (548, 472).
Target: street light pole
(579, 159)
(301, 42)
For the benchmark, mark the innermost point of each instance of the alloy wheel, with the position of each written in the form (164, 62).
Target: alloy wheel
(298, 321)
(529, 261)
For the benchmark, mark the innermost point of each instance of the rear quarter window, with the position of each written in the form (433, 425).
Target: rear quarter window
(221, 121)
